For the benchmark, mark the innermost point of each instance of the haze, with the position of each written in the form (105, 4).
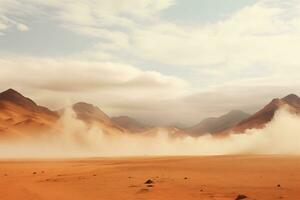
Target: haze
(76, 139)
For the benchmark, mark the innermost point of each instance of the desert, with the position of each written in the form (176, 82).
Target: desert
(149, 99)
(207, 177)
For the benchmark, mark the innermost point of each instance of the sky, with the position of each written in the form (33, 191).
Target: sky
(160, 61)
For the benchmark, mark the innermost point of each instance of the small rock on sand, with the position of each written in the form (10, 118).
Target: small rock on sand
(149, 181)
(240, 197)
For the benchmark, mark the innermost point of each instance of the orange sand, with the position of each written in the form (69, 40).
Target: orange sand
(219, 177)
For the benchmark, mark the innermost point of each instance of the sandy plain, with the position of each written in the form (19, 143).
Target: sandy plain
(174, 178)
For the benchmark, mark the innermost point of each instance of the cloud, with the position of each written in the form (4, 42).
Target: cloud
(229, 44)
(106, 84)
(265, 33)
(79, 75)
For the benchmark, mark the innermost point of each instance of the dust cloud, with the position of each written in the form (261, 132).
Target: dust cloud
(280, 136)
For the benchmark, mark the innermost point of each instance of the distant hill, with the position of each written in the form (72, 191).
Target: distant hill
(217, 124)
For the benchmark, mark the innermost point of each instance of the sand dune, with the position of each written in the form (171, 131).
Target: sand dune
(218, 178)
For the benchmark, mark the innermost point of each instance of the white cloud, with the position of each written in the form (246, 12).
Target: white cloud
(261, 34)
(264, 35)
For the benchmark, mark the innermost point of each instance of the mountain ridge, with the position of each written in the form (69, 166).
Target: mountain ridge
(215, 125)
(266, 114)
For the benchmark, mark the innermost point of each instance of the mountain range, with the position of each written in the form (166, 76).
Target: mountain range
(19, 116)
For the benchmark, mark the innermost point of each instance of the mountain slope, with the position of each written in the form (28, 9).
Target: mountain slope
(130, 124)
(265, 115)
(20, 115)
(215, 125)
(93, 115)
(88, 112)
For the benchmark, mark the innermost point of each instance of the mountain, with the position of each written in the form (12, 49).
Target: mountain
(130, 124)
(266, 114)
(93, 115)
(216, 125)
(88, 112)
(12, 96)
(19, 115)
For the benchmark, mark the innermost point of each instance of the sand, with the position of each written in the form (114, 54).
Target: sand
(184, 178)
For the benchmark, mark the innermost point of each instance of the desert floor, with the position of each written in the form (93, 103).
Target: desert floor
(184, 178)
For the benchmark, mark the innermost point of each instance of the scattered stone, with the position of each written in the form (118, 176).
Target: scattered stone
(94, 174)
(129, 177)
(5, 174)
(278, 185)
(240, 197)
(149, 181)
(33, 172)
(185, 178)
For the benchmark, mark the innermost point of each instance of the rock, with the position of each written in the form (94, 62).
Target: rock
(240, 197)
(149, 181)
(278, 185)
